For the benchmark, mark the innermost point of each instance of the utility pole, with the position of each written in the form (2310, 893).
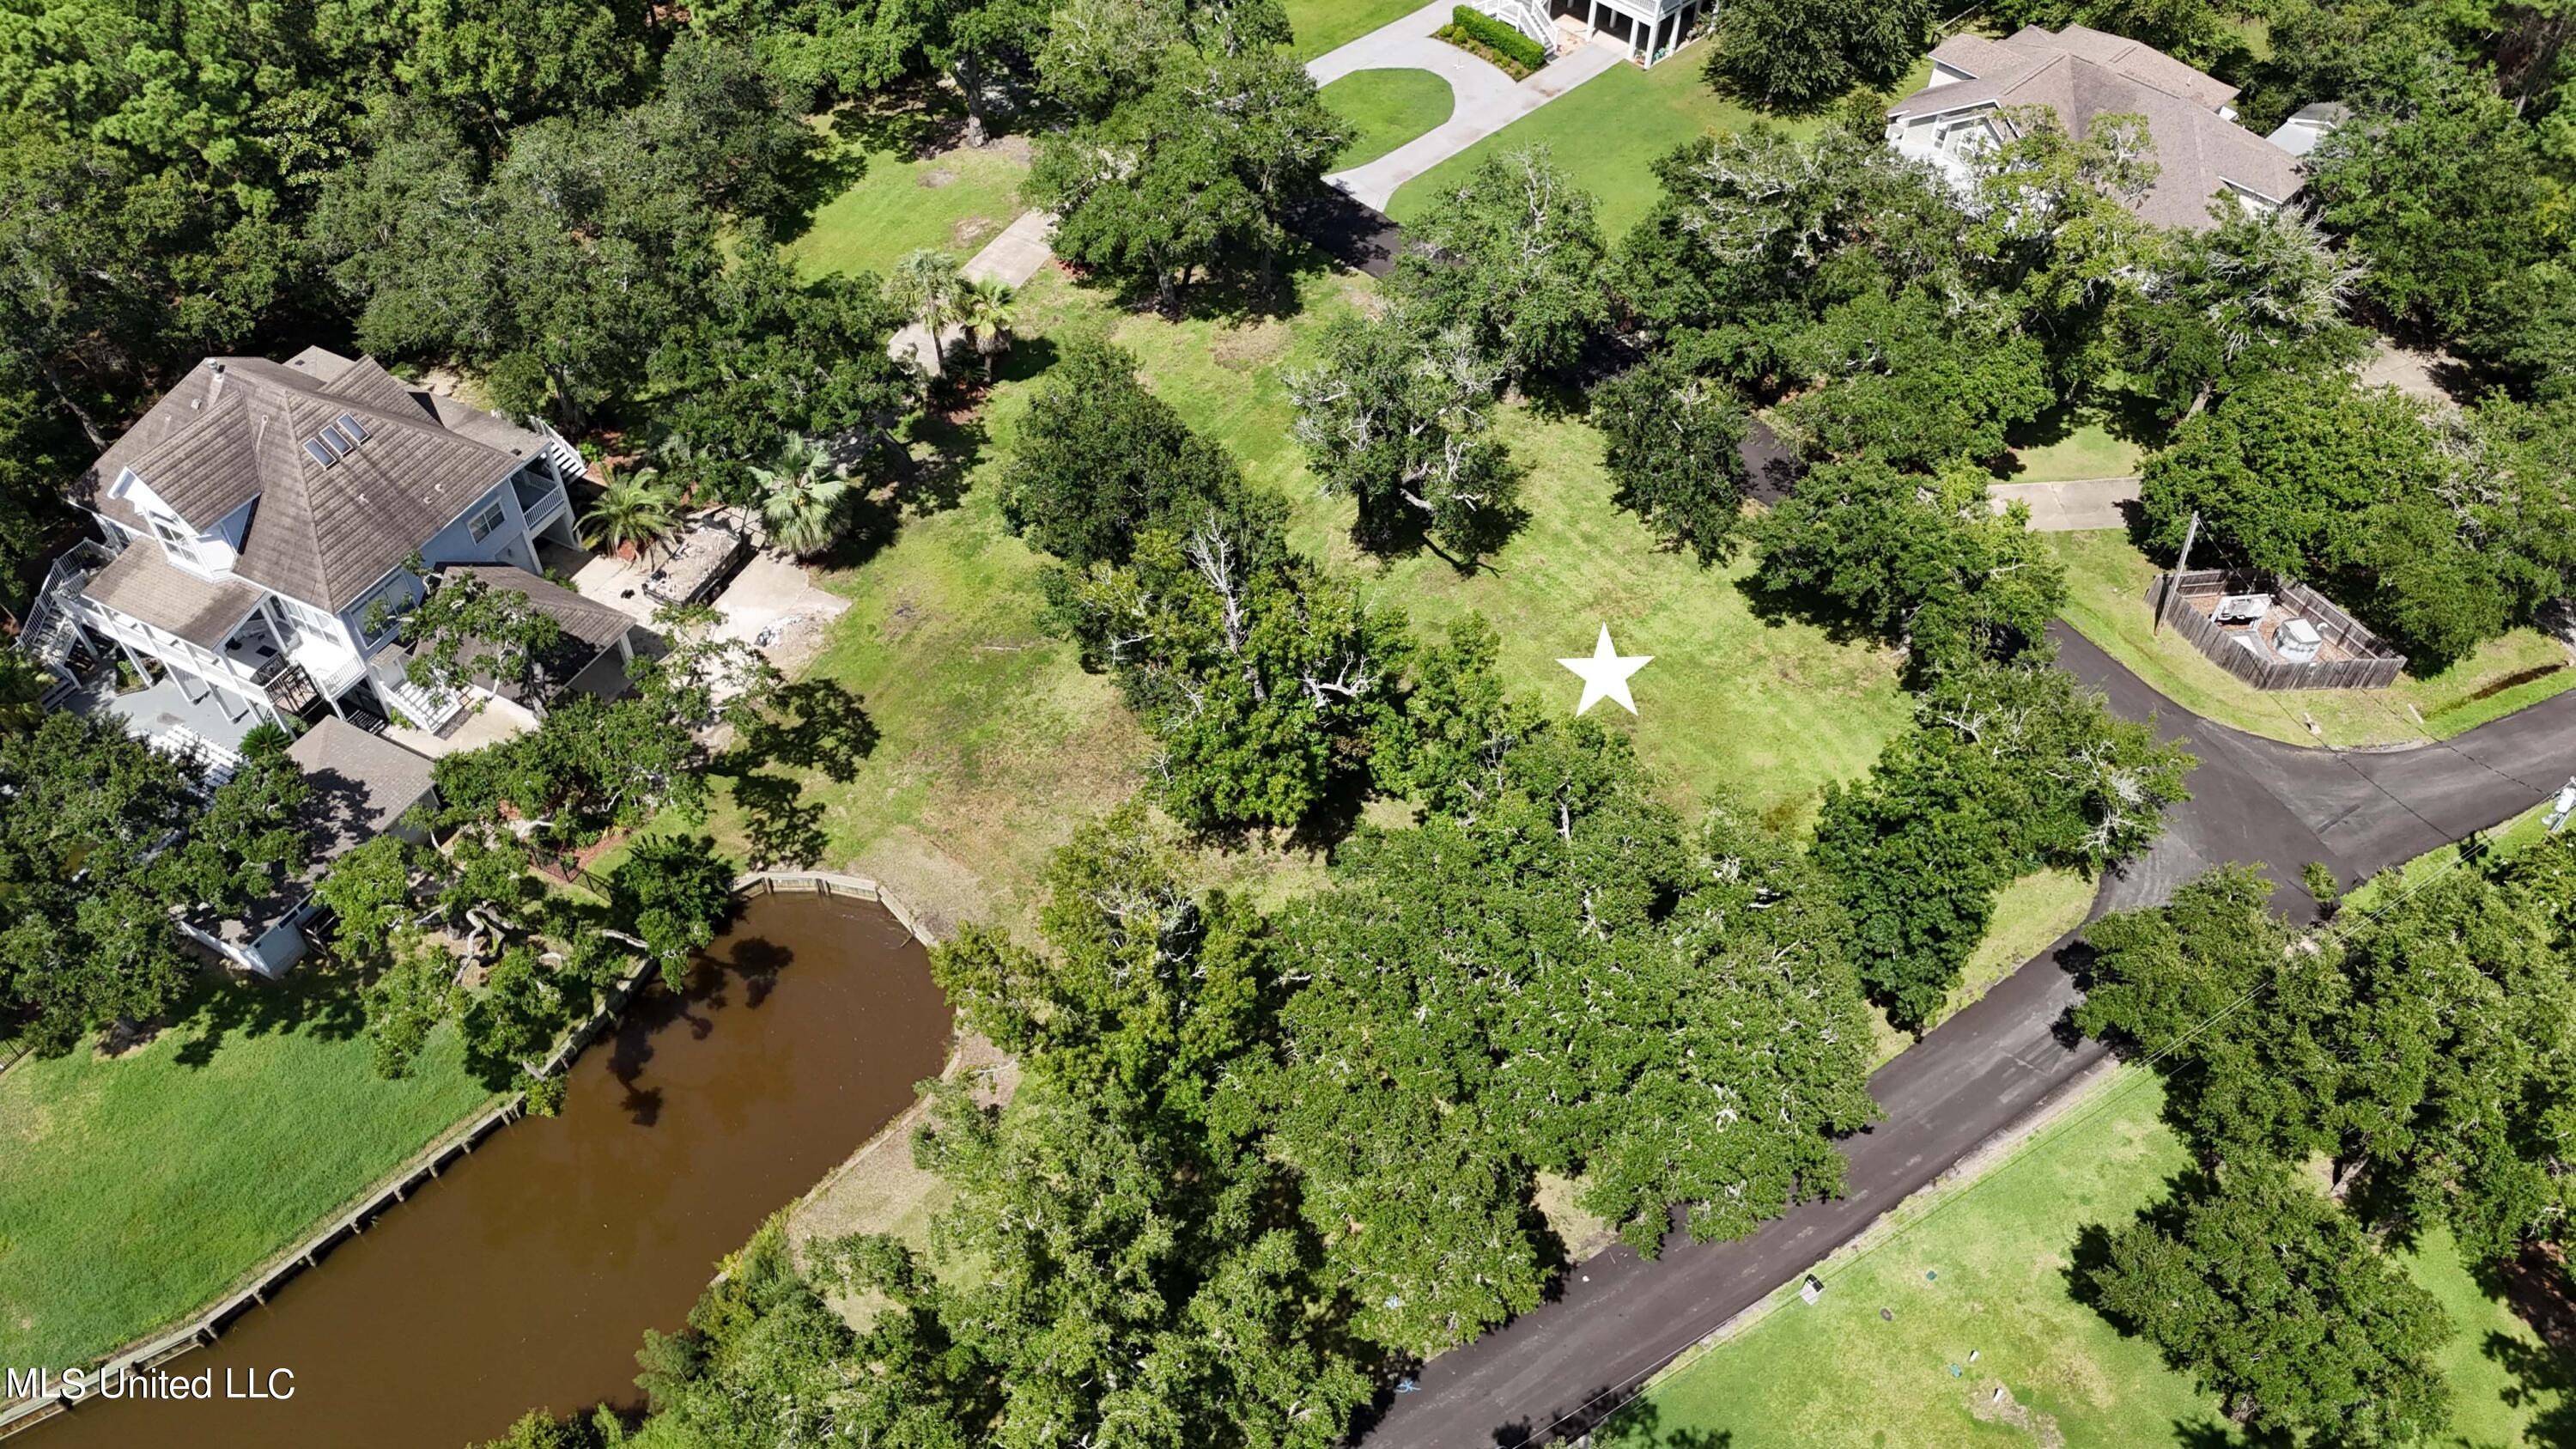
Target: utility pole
(2182, 561)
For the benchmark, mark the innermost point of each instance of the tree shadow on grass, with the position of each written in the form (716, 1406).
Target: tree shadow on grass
(782, 829)
(322, 1001)
(1614, 1421)
(815, 724)
(2543, 1378)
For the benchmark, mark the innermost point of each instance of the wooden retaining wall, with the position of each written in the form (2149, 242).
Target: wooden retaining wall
(2377, 669)
(457, 1142)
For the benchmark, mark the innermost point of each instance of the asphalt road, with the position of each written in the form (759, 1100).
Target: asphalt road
(1557, 1371)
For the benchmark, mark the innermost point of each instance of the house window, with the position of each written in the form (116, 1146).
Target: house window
(485, 519)
(179, 544)
(312, 624)
(384, 608)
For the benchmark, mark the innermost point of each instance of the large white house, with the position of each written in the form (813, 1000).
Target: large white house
(2080, 74)
(257, 528)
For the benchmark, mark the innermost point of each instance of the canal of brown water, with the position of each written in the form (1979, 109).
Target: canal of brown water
(526, 1275)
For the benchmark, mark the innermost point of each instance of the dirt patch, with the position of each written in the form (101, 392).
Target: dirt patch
(879, 1188)
(2541, 1286)
(902, 619)
(1244, 349)
(1016, 148)
(932, 178)
(972, 231)
(1995, 1404)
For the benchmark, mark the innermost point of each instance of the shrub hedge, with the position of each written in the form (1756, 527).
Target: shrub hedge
(1505, 40)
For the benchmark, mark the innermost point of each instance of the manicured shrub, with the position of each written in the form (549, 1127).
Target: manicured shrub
(1493, 34)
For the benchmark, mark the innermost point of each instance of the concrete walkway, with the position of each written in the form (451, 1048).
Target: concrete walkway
(1010, 258)
(1486, 100)
(2070, 507)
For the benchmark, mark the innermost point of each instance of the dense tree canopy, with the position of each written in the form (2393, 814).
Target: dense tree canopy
(1796, 55)
(105, 843)
(1513, 255)
(2438, 529)
(1925, 563)
(2009, 767)
(1675, 453)
(2283, 1307)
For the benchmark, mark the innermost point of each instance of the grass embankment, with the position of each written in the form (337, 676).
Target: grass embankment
(1323, 25)
(1385, 109)
(2107, 581)
(1838, 1374)
(914, 192)
(2029, 914)
(1608, 132)
(138, 1190)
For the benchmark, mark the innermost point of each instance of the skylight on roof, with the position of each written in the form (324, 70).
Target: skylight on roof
(350, 426)
(321, 455)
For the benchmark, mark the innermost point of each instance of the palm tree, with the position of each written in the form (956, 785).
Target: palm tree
(635, 509)
(801, 497)
(926, 286)
(984, 309)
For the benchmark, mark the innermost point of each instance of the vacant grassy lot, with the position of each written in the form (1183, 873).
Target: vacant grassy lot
(2067, 445)
(2107, 580)
(136, 1190)
(1608, 133)
(1837, 1374)
(913, 193)
(1322, 25)
(1385, 109)
(995, 745)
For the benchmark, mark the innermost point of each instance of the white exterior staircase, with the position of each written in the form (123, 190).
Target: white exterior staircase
(1526, 16)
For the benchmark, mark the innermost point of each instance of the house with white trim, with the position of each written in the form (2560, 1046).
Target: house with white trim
(258, 528)
(2080, 74)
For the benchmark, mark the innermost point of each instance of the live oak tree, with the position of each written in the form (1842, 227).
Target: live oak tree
(1559, 981)
(2242, 1084)
(1398, 414)
(2277, 1302)
(2427, 1052)
(768, 356)
(2010, 767)
(2262, 292)
(1148, 993)
(467, 631)
(2434, 528)
(1794, 55)
(1259, 673)
(671, 892)
(1100, 459)
(1925, 563)
(1193, 172)
(1914, 381)
(1513, 255)
(1674, 444)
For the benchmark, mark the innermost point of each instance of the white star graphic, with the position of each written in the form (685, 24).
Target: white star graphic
(1605, 674)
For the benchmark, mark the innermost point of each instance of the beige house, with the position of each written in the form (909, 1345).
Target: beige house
(2079, 73)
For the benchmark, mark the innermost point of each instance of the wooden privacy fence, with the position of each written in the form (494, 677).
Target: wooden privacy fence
(2187, 600)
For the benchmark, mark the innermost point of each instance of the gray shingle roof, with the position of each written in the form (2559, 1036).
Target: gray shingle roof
(588, 620)
(235, 429)
(142, 582)
(361, 783)
(2081, 74)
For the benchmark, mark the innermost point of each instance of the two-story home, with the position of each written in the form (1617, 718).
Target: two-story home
(258, 528)
(2079, 73)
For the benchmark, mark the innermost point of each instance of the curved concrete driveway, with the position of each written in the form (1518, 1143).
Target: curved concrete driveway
(1556, 1371)
(1485, 100)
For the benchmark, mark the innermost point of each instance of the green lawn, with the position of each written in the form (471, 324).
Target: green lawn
(1322, 25)
(1385, 109)
(2062, 449)
(1608, 132)
(2029, 914)
(2107, 579)
(140, 1189)
(955, 199)
(1838, 1374)
(995, 745)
